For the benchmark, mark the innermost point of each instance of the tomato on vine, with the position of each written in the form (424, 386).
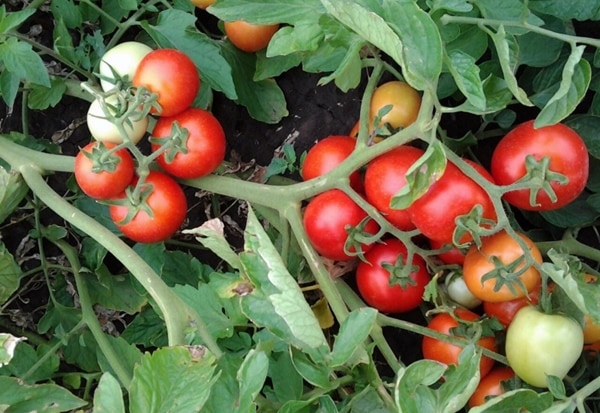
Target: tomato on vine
(249, 37)
(498, 270)
(446, 353)
(103, 176)
(505, 311)
(525, 148)
(172, 75)
(403, 100)
(386, 283)
(329, 217)
(199, 146)
(492, 384)
(159, 213)
(122, 60)
(104, 130)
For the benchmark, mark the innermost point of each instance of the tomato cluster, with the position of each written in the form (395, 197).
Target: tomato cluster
(186, 142)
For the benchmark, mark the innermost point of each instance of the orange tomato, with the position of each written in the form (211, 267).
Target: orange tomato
(405, 102)
(202, 4)
(249, 37)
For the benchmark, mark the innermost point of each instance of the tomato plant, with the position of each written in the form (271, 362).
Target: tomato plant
(200, 143)
(249, 37)
(385, 282)
(327, 154)
(403, 100)
(498, 271)
(491, 385)
(159, 213)
(447, 353)
(539, 344)
(329, 217)
(385, 177)
(122, 61)
(566, 171)
(100, 175)
(172, 75)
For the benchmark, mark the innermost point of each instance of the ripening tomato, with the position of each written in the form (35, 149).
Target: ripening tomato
(567, 156)
(123, 59)
(505, 311)
(161, 213)
(100, 176)
(539, 344)
(404, 100)
(200, 152)
(326, 155)
(385, 176)
(458, 291)
(491, 385)
(503, 250)
(327, 218)
(172, 75)
(249, 37)
(446, 353)
(380, 284)
(104, 130)
(453, 195)
(202, 4)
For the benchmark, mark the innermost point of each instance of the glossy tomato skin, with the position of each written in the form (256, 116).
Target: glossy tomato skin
(491, 385)
(453, 195)
(325, 220)
(447, 353)
(202, 4)
(124, 59)
(539, 344)
(373, 279)
(172, 75)
(568, 156)
(452, 256)
(326, 155)
(249, 37)
(503, 247)
(385, 177)
(205, 144)
(505, 311)
(405, 102)
(168, 205)
(104, 184)
(103, 130)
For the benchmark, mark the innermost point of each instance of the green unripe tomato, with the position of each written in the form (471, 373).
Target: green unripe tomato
(539, 344)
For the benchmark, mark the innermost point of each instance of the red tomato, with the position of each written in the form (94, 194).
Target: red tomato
(327, 154)
(103, 178)
(562, 145)
(444, 352)
(326, 219)
(453, 256)
(453, 195)
(385, 177)
(163, 214)
(503, 249)
(505, 311)
(170, 74)
(203, 149)
(491, 385)
(249, 37)
(384, 291)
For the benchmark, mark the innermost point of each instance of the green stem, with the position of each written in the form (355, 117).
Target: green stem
(570, 245)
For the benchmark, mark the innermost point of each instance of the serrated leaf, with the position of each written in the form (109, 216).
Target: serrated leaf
(108, 397)
(172, 379)
(41, 97)
(353, 331)
(465, 71)
(20, 59)
(37, 363)
(576, 77)
(47, 398)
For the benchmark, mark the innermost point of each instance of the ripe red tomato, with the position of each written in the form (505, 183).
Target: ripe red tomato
(249, 37)
(163, 214)
(444, 352)
(505, 311)
(453, 256)
(385, 177)
(453, 195)
(172, 75)
(491, 385)
(327, 154)
(326, 220)
(101, 178)
(562, 145)
(504, 249)
(204, 147)
(384, 291)
(405, 102)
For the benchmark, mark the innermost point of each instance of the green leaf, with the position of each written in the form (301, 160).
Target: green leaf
(267, 11)
(315, 374)
(538, 50)
(129, 355)
(457, 6)
(421, 175)
(115, 292)
(12, 191)
(82, 350)
(579, 213)
(147, 329)
(39, 364)
(108, 397)
(8, 343)
(287, 382)
(251, 377)
(277, 302)
(172, 379)
(10, 274)
(67, 11)
(303, 37)
(48, 398)
(587, 127)
(41, 97)
(20, 59)
(516, 400)
(274, 66)
(9, 86)
(508, 10)
(460, 381)
(412, 392)
(576, 78)
(211, 235)
(465, 71)
(13, 20)
(352, 334)
(566, 10)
